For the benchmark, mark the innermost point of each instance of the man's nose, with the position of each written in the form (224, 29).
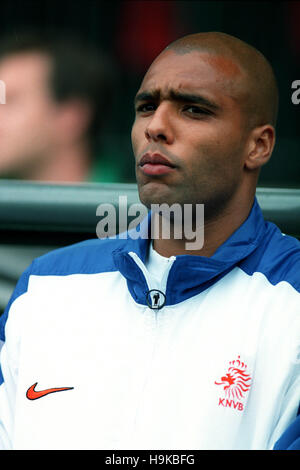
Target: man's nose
(159, 127)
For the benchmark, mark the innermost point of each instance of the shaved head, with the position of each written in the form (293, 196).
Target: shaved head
(253, 83)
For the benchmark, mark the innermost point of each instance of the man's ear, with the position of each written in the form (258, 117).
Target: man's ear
(262, 141)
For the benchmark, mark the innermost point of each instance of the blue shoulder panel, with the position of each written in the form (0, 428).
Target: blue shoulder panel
(90, 256)
(277, 257)
(87, 257)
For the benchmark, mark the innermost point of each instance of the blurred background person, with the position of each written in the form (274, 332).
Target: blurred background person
(58, 97)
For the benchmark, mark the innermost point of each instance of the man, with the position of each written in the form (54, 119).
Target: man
(150, 344)
(58, 91)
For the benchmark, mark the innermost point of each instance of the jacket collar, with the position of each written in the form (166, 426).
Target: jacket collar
(190, 275)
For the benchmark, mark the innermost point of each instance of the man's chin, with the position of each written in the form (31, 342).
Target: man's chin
(154, 193)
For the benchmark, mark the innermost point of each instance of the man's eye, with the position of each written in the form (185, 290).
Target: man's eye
(196, 110)
(145, 108)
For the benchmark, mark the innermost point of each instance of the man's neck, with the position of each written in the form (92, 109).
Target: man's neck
(216, 232)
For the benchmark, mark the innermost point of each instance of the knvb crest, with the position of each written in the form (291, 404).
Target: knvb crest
(236, 383)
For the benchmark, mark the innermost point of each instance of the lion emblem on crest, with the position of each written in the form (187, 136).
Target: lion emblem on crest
(236, 381)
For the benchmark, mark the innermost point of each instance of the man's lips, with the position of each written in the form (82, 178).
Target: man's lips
(155, 164)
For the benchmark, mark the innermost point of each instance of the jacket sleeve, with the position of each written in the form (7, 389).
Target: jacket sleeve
(288, 425)
(8, 365)
(290, 439)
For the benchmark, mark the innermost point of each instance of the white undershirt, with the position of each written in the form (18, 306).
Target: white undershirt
(157, 266)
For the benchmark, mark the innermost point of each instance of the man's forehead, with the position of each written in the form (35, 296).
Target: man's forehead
(193, 68)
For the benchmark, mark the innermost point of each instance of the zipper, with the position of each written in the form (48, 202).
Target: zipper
(152, 283)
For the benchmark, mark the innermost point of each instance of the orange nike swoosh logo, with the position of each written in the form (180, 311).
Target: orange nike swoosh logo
(33, 394)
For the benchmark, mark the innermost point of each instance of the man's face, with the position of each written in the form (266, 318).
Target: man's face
(26, 130)
(187, 113)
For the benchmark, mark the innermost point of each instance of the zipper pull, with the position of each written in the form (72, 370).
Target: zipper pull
(155, 299)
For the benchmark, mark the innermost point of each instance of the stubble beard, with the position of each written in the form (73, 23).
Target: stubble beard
(215, 201)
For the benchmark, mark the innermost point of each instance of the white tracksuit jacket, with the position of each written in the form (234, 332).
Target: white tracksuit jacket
(217, 367)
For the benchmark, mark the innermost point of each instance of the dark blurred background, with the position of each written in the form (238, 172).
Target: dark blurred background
(134, 32)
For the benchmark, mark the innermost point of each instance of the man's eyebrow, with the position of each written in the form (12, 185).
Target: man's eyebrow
(177, 96)
(146, 96)
(193, 98)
